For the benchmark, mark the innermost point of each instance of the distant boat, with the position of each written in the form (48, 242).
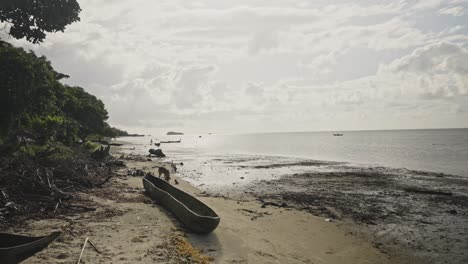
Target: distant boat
(172, 141)
(337, 135)
(16, 248)
(174, 133)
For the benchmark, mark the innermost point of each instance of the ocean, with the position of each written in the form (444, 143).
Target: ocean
(218, 159)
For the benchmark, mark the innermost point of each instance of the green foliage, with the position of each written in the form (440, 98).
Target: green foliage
(90, 146)
(30, 19)
(53, 151)
(86, 109)
(115, 132)
(32, 150)
(27, 84)
(60, 152)
(35, 105)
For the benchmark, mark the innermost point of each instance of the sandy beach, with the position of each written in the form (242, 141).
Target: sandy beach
(128, 228)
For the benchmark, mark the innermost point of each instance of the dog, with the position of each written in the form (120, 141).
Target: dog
(165, 172)
(173, 166)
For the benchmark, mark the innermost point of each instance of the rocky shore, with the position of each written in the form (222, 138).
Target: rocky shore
(414, 216)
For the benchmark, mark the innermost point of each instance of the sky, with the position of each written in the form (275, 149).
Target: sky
(245, 66)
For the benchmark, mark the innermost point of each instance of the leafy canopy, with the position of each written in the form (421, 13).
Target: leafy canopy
(30, 19)
(35, 105)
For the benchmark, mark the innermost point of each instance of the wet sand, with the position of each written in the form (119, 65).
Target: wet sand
(413, 216)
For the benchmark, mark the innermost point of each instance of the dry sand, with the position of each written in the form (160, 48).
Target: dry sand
(129, 229)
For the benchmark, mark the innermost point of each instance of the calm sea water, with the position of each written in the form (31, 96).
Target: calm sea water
(444, 150)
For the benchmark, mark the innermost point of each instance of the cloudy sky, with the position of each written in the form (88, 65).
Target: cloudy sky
(269, 65)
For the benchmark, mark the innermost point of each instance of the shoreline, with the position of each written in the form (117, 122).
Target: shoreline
(412, 215)
(247, 234)
(415, 216)
(295, 218)
(128, 228)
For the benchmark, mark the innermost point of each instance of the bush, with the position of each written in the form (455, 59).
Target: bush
(90, 146)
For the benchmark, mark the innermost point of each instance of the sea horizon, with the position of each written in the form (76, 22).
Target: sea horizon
(432, 150)
(304, 131)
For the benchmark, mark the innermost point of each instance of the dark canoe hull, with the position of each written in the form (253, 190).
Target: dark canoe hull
(16, 248)
(193, 213)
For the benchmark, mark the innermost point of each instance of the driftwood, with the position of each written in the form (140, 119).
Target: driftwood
(82, 250)
(84, 246)
(106, 180)
(95, 248)
(40, 185)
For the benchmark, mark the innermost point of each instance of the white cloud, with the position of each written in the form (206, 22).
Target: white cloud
(437, 70)
(252, 65)
(453, 11)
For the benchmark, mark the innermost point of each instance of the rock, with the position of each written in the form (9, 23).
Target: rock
(452, 211)
(117, 163)
(265, 204)
(157, 152)
(136, 173)
(101, 154)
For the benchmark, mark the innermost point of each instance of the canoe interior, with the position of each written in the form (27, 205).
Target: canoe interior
(191, 202)
(16, 248)
(196, 215)
(10, 240)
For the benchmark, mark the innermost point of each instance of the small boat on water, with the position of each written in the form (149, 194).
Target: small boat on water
(337, 135)
(172, 141)
(193, 213)
(16, 248)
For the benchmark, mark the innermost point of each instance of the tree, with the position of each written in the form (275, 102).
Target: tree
(86, 109)
(30, 19)
(28, 85)
(34, 103)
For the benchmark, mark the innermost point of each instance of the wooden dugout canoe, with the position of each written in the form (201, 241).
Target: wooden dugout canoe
(16, 248)
(193, 213)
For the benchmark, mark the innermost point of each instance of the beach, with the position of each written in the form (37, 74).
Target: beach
(128, 228)
(196, 132)
(356, 215)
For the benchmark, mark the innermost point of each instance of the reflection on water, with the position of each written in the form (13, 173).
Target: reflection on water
(221, 161)
(444, 150)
